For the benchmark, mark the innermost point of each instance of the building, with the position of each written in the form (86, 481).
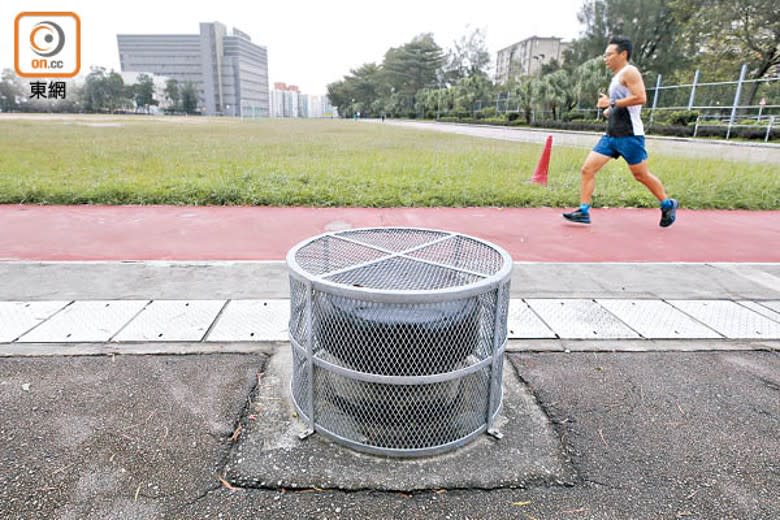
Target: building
(288, 101)
(319, 106)
(229, 72)
(525, 58)
(285, 100)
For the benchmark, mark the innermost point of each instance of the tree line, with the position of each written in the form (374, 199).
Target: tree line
(672, 38)
(102, 92)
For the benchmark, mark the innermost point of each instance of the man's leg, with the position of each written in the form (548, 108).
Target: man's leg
(642, 174)
(668, 206)
(593, 163)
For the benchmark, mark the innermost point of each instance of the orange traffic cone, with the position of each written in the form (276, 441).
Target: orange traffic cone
(542, 168)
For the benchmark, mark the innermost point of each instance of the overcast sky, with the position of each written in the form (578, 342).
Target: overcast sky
(310, 43)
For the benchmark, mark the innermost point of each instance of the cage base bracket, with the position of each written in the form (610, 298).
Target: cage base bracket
(495, 433)
(305, 434)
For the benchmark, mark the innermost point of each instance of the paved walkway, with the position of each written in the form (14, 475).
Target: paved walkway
(747, 151)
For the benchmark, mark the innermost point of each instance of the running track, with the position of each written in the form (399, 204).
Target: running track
(82, 233)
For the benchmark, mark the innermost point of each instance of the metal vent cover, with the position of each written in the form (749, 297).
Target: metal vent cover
(398, 336)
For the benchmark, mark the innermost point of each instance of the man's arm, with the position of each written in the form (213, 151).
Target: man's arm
(632, 79)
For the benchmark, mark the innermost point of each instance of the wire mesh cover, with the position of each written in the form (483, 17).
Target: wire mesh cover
(397, 337)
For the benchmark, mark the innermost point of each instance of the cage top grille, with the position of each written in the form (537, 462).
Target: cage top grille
(399, 259)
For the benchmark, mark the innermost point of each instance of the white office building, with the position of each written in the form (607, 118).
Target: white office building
(229, 72)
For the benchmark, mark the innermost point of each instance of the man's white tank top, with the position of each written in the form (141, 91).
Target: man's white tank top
(624, 121)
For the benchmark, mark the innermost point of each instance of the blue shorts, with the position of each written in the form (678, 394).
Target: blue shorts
(631, 148)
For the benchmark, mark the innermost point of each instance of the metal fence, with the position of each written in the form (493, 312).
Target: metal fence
(743, 96)
(740, 103)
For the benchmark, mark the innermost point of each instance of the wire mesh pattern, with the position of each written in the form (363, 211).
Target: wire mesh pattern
(414, 375)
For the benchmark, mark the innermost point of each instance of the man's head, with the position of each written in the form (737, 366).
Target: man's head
(618, 52)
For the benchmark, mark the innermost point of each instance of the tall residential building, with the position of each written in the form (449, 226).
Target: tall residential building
(285, 100)
(229, 72)
(525, 58)
(319, 106)
(288, 101)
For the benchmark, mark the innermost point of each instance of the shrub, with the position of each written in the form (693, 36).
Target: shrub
(574, 116)
(488, 112)
(500, 120)
(676, 118)
(672, 130)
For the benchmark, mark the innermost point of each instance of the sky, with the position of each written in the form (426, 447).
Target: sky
(310, 43)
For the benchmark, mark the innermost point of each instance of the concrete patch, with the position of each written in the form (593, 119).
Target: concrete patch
(270, 455)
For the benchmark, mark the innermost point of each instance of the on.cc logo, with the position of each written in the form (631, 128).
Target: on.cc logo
(43, 40)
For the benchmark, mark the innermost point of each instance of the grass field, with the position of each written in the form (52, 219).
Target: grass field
(328, 163)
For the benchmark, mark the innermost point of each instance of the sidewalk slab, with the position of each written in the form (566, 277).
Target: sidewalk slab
(173, 280)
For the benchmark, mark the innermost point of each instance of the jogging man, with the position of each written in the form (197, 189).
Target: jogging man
(625, 135)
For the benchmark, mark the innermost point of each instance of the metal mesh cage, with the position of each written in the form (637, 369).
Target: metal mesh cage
(397, 337)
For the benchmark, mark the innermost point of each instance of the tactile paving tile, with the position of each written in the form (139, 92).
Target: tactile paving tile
(523, 323)
(253, 320)
(730, 319)
(172, 320)
(580, 319)
(16, 318)
(85, 321)
(774, 305)
(761, 309)
(656, 319)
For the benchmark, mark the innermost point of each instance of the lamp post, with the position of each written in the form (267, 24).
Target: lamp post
(438, 93)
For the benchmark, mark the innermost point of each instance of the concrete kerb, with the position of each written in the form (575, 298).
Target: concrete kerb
(10, 350)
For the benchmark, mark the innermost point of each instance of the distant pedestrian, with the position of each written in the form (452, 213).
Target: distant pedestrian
(625, 135)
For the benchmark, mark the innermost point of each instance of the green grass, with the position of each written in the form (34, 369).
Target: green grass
(329, 163)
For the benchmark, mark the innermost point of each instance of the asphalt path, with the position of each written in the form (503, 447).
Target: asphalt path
(747, 151)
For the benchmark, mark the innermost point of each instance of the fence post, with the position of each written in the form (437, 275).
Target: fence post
(696, 128)
(769, 128)
(693, 89)
(737, 95)
(655, 98)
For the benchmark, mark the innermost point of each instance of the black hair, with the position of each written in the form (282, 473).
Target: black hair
(623, 44)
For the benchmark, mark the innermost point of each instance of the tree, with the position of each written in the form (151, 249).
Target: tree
(11, 91)
(524, 93)
(468, 57)
(172, 93)
(724, 34)
(143, 92)
(359, 91)
(557, 93)
(589, 79)
(189, 98)
(413, 66)
(104, 92)
(650, 24)
(470, 94)
(340, 95)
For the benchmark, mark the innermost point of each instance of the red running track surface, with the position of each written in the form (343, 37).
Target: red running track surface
(78, 233)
